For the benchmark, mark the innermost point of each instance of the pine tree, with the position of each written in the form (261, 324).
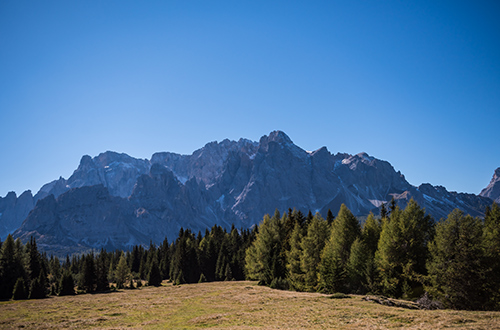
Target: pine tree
(335, 255)
(456, 269)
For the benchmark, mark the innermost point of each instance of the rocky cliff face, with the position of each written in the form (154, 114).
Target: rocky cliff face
(13, 211)
(493, 189)
(116, 201)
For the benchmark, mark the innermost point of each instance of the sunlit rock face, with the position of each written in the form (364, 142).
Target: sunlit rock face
(116, 201)
(492, 191)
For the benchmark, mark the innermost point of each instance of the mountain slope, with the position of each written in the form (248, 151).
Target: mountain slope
(115, 201)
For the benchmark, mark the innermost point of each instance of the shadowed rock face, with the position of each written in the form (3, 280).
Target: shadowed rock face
(492, 191)
(116, 201)
(13, 211)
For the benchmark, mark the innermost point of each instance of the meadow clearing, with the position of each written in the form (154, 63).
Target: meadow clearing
(227, 305)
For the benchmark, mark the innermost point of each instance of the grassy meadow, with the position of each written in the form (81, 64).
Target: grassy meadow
(227, 305)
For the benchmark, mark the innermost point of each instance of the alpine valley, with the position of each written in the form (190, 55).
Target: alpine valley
(115, 201)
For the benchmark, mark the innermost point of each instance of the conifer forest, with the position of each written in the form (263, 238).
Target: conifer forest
(403, 253)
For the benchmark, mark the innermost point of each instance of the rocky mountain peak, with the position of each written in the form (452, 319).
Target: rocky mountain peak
(85, 163)
(114, 200)
(493, 189)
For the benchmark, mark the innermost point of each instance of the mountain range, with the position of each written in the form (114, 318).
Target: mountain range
(117, 201)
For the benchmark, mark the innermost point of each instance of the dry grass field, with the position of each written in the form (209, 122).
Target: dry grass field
(226, 305)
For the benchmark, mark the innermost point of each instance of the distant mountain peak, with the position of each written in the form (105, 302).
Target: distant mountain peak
(493, 189)
(114, 200)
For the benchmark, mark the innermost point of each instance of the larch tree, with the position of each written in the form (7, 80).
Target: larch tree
(265, 259)
(402, 251)
(312, 246)
(335, 255)
(296, 276)
(491, 245)
(122, 272)
(456, 271)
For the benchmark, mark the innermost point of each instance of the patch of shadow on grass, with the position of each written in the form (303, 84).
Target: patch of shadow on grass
(114, 314)
(339, 295)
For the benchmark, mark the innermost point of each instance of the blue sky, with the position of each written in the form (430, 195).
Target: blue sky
(416, 83)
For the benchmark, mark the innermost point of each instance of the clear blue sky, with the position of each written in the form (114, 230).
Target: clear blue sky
(416, 83)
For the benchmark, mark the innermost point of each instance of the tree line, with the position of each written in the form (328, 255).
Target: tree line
(25, 273)
(402, 254)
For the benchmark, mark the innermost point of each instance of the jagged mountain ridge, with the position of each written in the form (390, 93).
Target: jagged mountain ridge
(231, 182)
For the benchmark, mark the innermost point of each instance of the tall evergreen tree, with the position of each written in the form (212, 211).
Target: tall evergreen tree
(20, 291)
(335, 255)
(34, 260)
(456, 271)
(356, 267)
(67, 284)
(296, 276)
(330, 217)
(154, 276)
(38, 288)
(122, 272)
(184, 266)
(11, 267)
(491, 245)
(402, 251)
(312, 246)
(88, 276)
(265, 259)
(102, 269)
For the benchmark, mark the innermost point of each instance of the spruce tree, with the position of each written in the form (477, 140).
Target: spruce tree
(11, 267)
(38, 289)
(67, 284)
(335, 255)
(330, 217)
(34, 260)
(102, 283)
(154, 276)
(88, 276)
